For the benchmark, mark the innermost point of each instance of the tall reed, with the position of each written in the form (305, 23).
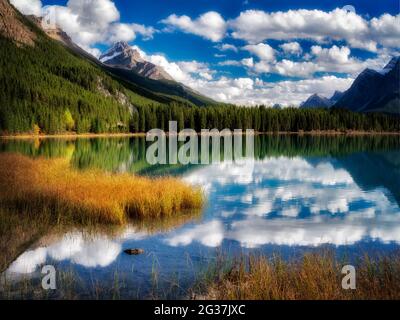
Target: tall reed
(314, 277)
(39, 185)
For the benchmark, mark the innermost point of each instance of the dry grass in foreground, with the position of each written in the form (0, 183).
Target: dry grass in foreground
(42, 185)
(314, 277)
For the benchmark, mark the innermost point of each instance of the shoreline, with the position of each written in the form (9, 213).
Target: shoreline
(143, 134)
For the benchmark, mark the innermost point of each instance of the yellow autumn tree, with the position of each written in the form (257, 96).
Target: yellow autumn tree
(36, 129)
(69, 120)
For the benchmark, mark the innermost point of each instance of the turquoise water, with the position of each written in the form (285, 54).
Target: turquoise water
(297, 195)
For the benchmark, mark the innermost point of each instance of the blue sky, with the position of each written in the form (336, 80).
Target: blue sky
(241, 51)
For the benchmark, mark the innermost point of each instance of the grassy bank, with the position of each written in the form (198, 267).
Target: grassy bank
(41, 185)
(314, 277)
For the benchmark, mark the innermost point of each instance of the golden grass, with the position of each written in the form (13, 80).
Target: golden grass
(53, 185)
(314, 277)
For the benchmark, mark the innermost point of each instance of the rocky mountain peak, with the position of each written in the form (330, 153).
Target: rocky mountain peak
(316, 101)
(122, 49)
(375, 91)
(122, 55)
(121, 45)
(391, 65)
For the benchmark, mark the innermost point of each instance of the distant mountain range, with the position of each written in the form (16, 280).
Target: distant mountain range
(317, 101)
(371, 91)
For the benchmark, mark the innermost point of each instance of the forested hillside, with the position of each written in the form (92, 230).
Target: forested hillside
(261, 119)
(46, 88)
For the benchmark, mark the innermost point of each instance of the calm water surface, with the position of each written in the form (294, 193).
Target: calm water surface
(297, 195)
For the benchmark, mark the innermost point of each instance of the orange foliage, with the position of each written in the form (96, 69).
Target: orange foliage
(39, 184)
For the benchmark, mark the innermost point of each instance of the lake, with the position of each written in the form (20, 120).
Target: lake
(298, 194)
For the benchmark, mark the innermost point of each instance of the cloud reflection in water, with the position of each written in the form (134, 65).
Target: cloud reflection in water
(290, 201)
(95, 252)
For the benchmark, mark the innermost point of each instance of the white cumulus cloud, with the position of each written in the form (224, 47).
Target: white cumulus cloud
(28, 6)
(263, 51)
(248, 91)
(127, 32)
(256, 26)
(331, 59)
(291, 48)
(209, 25)
(226, 47)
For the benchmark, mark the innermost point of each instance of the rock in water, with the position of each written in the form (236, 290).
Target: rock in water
(134, 251)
